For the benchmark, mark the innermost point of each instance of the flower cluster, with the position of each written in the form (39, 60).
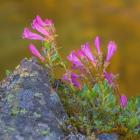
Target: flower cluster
(44, 31)
(87, 68)
(90, 67)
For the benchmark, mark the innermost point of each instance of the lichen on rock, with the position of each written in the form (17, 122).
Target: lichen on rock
(29, 109)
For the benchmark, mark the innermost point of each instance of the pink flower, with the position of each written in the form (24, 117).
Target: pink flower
(97, 44)
(39, 21)
(27, 34)
(80, 53)
(72, 78)
(39, 25)
(75, 80)
(35, 52)
(109, 77)
(124, 101)
(67, 77)
(49, 22)
(74, 59)
(87, 51)
(112, 48)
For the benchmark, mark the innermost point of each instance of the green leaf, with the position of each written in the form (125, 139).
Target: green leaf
(47, 45)
(55, 57)
(84, 91)
(97, 88)
(133, 122)
(105, 83)
(8, 72)
(93, 93)
(98, 123)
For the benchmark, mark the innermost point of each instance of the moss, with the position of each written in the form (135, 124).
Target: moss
(45, 132)
(38, 94)
(14, 111)
(37, 115)
(130, 137)
(13, 103)
(23, 111)
(11, 129)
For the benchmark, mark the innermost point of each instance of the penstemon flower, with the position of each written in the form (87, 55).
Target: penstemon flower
(87, 52)
(97, 44)
(42, 23)
(72, 79)
(27, 34)
(44, 32)
(109, 77)
(45, 28)
(124, 101)
(36, 53)
(75, 80)
(74, 59)
(80, 54)
(67, 77)
(36, 25)
(112, 48)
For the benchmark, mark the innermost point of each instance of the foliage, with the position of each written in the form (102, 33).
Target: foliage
(98, 109)
(8, 72)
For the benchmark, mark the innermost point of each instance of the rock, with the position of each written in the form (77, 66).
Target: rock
(29, 110)
(77, 136)
(107, 136)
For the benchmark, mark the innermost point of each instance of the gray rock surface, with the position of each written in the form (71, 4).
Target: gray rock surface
(29, 110)
(106, 136)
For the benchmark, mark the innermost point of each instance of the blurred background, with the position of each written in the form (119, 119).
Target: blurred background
(76, 22)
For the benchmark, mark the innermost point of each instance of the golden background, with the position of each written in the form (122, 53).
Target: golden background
(76, 21)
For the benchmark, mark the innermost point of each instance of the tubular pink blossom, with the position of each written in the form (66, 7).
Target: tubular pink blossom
(109, 77)
(87, 51)
(39, 21)
(35, 52)
(38, 25)
(124, 101)
(75, 80)
(80, 54)
(66, 77)
(27, 34)
(97, 44)
(112, 48)
(74, 59)
(49, 22)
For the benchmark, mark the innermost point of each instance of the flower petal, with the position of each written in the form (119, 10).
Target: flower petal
(80, 53)
(124, 101)
(40, 21)
(49, 22)
(97, 44)
(39, 26)
(75, 80)
(74, 59)
(109, 77)
(112, 48)
(87, 51)
(66, 77)
(35, 52)
(27, 34)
